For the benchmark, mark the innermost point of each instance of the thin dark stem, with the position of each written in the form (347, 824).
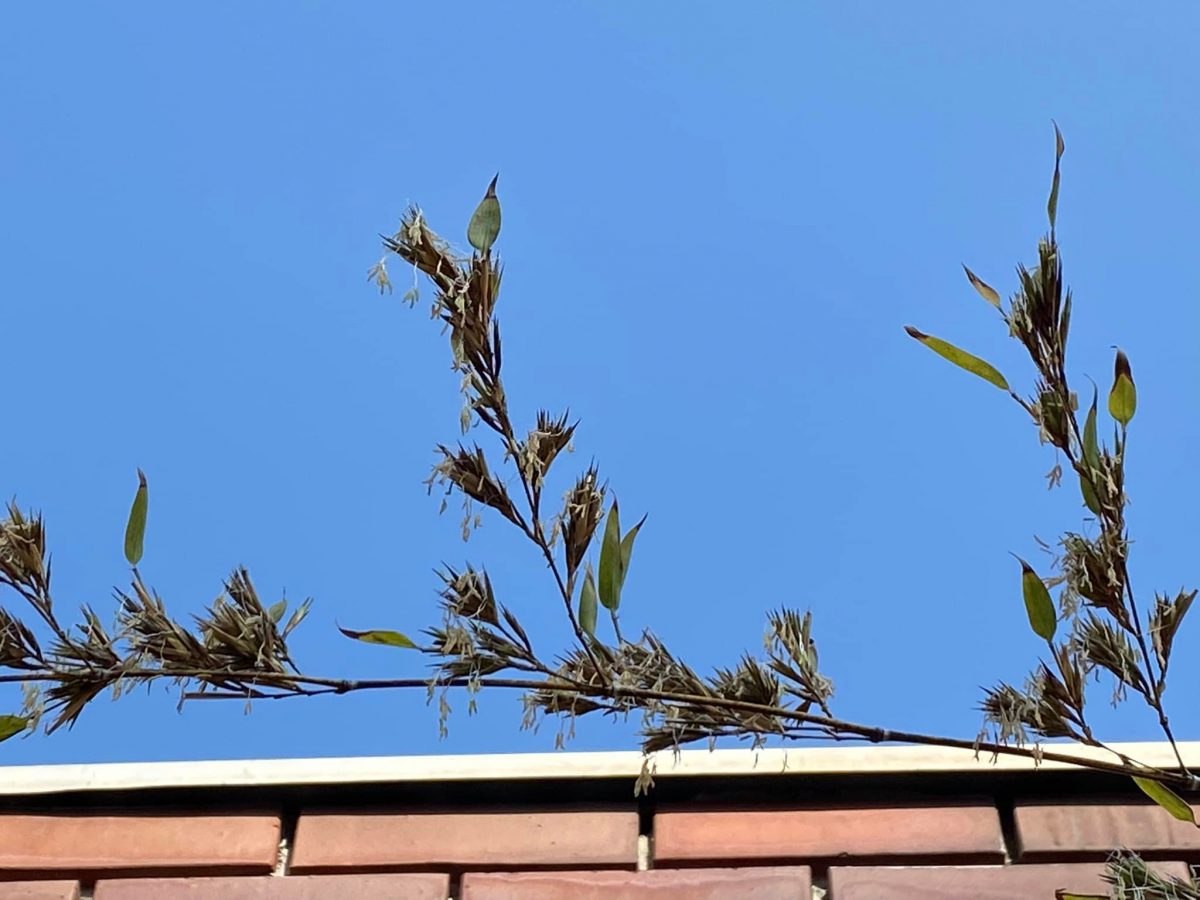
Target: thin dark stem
(536, 534)
(303, 685)
(1153, 694)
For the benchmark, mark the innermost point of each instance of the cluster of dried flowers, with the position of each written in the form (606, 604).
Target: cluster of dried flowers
(238, 647)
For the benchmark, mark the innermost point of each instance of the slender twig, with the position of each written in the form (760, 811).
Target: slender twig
(288, 686)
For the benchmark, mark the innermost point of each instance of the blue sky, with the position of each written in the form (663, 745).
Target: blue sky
(717, 222)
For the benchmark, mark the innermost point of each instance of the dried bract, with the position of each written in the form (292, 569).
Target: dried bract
(468, 471)
(582, 510)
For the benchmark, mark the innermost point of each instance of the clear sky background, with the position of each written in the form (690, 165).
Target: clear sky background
(718, 217)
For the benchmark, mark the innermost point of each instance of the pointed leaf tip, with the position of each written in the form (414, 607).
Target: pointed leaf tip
(985, 290)
(1059, 144)
(135, 529)
(1166, 798)
(1038, 605)
(960, 358)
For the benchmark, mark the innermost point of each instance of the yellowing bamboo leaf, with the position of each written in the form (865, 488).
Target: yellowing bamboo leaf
(1038, 604)
(135, 529)
(960, 358)
(386, 638)
(1122, 399)
(1166, 798)
(484, 226)
(12, 725)
(986, 291)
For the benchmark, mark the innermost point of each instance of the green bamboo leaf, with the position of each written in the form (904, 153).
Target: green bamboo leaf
(961, 358)
(1061, 894)
(587, 604)
(1091, 445)
(627, 548)
(386, 638)
(277, 610)
(484, 227)
(1166, 798)
(1091, 456)
(610, 561)
(1090, 500)
(297, 616)
(986, 291)
(1064, 323)
(1038, 604)
(12, 725)
(1052, 203)
(1122, 399)
(135, 530)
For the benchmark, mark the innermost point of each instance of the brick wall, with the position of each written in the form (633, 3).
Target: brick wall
(979, 849)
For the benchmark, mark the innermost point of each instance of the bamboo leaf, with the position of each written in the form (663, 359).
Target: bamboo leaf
(1090, 500)
(610, 561)
(587, 604)
(135, 530)
(1122, 399)
(627, 548)
(386, 638)
(277, 610)
(1091, 456)
(297, 616)
(1052, 203)
(986, 291)
(1061, 894)
(1091, 445)
(1064, 322)
(960, 358)
(1038, 604)
(12, 725)
(484, 227)
(1166, 798)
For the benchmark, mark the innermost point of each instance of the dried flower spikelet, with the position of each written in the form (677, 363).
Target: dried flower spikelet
(469, 594)
(23, 550)
(582, 510)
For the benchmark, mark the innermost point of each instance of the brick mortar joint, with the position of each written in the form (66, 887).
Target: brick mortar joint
(289, 822)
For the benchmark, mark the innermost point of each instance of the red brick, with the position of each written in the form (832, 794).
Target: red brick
(328, 841)
(39, 890)
(407, 886)
(79, 843)
(965, 831)
(1019, 882)
(765, 883)
(1096, 829)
